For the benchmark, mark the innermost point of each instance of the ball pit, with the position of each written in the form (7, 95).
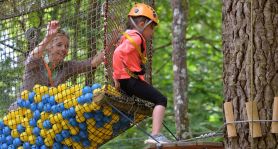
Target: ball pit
(61, 117)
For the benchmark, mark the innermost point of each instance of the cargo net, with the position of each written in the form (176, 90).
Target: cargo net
(76, 112)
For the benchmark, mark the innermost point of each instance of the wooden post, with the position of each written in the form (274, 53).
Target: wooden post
(274, 125)
(229, 115)
(252, 113)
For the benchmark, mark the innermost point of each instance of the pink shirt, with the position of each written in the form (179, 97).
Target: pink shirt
(126, 56)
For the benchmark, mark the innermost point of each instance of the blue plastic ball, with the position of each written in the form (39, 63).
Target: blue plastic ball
(4, 146)
(20, 102)
(33, 107)
(16, 142)
(27, 145)
(36, 131)
(2, 139)
(11, 147)
(47, 107)
(37, 115)
(31, 96)
(65, 133)
(59, 137)
(33, 122)
(73, 122)
(45, 98)
(83, 126)
(57, 145)
(39, 141)
(88, 97)
(83, 134)
(26, 104)
(20, 128)
(51, 100)
(86, 143)
(54, 109)
(40, 106)
(1, 125)
(47, 124)
(6, 131)
(86, 89)
(44, 147)
(96, 86)
(76, 138)
(9, 140)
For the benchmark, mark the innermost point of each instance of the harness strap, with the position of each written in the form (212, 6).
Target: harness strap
(131, 40)
(49, 73)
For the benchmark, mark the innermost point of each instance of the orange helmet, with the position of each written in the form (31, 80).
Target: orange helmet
(141, 9)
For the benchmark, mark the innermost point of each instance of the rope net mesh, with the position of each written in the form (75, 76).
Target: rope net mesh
(65, 114)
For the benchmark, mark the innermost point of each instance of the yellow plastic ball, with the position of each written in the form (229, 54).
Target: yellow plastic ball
(40, 123)
(44, 115)
(67, 141)
(65, 124)
(48, 142)
(57, 128)
(25, 122)
(43, 133)
(32, 139)
(80, 119)
(14, 133)
(6, 120)
(115, 118)
(58, 97)
(24, 136)
(51, 134)
(94, 106)
(36, 88)
(12, 124)
(91, 122)
(29, 114)
(73, 130)
(62, 87)
(43, 90)
(58, 117)
(53, 91)
(29, 130)
(25, 94)
(37, 98)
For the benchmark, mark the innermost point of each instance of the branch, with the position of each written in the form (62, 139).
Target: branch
(12, 47)
(205, 40)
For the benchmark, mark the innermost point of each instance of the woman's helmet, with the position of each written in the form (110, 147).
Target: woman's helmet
(141, 9)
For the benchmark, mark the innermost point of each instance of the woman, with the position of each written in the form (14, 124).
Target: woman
(45, 65)
(50, 69)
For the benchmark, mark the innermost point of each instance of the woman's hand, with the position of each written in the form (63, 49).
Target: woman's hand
(97, 59)
(52, 29)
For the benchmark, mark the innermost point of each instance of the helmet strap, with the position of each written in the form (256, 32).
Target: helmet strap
(140, 29)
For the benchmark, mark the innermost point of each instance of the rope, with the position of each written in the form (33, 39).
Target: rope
(136, 125)
(251, 71)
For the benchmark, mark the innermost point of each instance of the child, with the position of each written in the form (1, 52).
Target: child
(128, 64)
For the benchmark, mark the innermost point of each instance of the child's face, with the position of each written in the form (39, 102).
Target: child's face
(59, 49)
(148, 31)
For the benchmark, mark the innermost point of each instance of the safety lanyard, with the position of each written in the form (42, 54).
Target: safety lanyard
(131, 40)
(49, 73)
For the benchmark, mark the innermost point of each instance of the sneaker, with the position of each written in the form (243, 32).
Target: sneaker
(160, 138)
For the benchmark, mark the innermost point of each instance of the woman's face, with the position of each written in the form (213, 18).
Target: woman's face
(59, 49)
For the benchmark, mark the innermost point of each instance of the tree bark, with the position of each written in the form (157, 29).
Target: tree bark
(180, 11)
(250, 49)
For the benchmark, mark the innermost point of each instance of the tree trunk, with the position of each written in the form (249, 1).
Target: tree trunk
(250, 66)
(180, 11)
